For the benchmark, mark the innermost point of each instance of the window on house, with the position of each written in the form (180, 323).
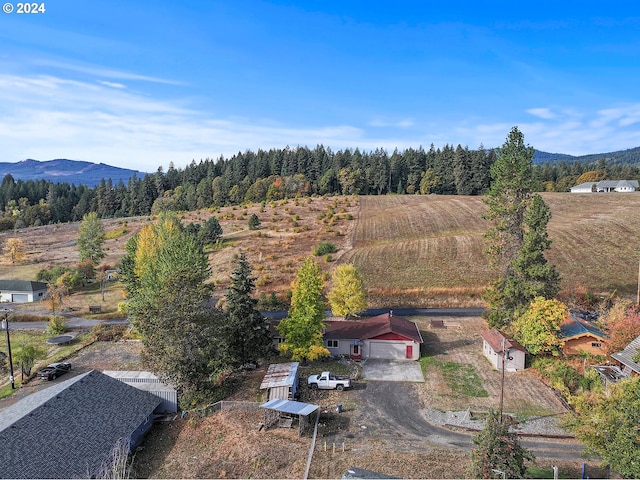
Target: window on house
(596, 344)
(332, 343)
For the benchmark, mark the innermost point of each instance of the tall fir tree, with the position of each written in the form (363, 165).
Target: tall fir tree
(518, 238)
(246, 330)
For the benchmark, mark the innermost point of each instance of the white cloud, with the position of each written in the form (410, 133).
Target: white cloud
(46, 117)
(96, 71)
(404, 123)
(113, 84)
(544, 113)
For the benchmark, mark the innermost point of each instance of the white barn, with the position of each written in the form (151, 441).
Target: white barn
(22, 291)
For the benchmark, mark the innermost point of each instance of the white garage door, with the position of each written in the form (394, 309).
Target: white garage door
(388, 349)
(19, 297)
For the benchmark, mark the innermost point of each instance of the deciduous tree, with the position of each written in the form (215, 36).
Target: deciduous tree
(608, 425)
(537, 329)
(347, 296)
(91, 238)
(14, 250)
(165, 276)
(302, 329)
(27, 356)
(498, 450)
(622, 324)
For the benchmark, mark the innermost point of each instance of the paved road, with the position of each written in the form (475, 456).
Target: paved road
(74, 321)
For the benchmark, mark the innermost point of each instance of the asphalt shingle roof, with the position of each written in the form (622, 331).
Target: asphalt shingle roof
(22, 286)
(69, 429)
(373, 327)
(574, 327)
(626, 356)
(494, 338)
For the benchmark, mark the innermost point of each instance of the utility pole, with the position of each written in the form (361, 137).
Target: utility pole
(504, 357)
(5, 325)
(638, 299)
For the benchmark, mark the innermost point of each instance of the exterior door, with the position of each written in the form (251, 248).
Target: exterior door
(409, 351)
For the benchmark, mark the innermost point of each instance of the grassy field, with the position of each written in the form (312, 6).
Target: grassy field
(429, 250)
(411, 249)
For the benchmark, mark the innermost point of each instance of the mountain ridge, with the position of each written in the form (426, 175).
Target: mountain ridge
(78, 172)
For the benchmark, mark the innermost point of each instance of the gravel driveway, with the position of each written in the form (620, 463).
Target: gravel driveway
(392, 370)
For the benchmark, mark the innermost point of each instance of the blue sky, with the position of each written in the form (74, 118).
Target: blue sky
(139, 84)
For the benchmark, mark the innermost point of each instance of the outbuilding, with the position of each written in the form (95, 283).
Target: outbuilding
(22, 291)
(149, 382)
(499, 348)
(581, 336)
(281, 381)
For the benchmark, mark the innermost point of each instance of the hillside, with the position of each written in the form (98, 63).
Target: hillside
(629, 156)
(411, 249)
(428, 250)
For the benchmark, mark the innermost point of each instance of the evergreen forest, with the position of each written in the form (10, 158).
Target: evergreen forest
(283, 173)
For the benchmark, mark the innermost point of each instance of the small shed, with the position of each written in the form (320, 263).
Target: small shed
(149, 382)
(281, 381)
(277, 410)
(496, 346)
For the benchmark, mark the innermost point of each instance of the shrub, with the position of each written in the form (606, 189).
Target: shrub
(103, 332)
(324, 248)
(57, 325)
(50, 275)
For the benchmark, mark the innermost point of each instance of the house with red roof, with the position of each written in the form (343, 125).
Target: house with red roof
(384, 336)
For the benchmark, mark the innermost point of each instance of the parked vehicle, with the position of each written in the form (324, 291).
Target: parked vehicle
(54, 370)
(326, 381)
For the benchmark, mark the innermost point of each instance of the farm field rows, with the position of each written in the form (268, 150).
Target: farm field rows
(429, 250)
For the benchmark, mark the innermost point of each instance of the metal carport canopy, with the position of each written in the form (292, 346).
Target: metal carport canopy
(289, 406)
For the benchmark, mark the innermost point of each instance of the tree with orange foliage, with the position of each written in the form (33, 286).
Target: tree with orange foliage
(591, 176)
(622, 324)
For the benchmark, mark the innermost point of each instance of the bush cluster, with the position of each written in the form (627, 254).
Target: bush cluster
(324, 248)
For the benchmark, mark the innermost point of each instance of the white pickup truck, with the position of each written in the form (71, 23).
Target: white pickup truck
(326, 381)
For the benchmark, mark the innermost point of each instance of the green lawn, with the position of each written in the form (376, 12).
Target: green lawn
(462, 378)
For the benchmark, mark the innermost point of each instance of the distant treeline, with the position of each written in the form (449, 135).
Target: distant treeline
(279, 173)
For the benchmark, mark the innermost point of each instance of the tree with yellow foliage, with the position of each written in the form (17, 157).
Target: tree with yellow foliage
(347, 296)
(302, 329)
(14, 250)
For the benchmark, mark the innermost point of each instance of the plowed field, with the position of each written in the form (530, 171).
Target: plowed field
(429, 250)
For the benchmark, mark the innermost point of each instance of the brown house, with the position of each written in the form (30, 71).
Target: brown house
(578, 335)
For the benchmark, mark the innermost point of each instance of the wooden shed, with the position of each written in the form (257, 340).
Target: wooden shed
(281, 381)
